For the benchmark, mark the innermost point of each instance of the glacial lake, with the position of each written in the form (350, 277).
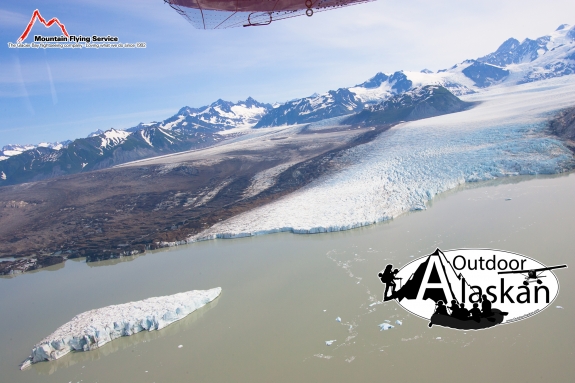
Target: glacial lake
(282, 294)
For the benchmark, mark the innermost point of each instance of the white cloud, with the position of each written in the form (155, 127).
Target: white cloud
(13, 19)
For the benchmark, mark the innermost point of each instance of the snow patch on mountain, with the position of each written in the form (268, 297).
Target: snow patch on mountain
(112, 137)
(145, 134)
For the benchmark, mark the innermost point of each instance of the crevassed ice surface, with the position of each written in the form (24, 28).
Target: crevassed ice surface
(92, 329)
(406, 166)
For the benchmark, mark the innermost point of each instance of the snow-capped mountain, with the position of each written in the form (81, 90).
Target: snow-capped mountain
(14, 150)
(190, 128)
(220, 115)
(414, 104)
(96, 133)
(531, 60)
(313, 108)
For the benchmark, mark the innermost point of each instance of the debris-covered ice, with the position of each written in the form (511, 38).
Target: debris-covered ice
(92, 329)
(330, 342)
(385, 326)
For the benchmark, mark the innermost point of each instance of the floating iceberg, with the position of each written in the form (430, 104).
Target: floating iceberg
(329, 342)
(385, 326)
(92, 329)
(398, 322)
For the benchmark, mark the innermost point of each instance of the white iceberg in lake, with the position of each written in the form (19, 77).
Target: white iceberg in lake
(92, 329)
(329, 342)
(385, 326)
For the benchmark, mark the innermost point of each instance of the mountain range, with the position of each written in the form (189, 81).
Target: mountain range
(377, 100)
(414, 104)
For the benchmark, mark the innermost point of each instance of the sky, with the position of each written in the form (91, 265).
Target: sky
(49, 95)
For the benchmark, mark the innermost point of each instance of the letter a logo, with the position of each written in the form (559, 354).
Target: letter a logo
(434, 278)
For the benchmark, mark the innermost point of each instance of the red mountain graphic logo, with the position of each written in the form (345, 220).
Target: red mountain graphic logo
(37, 16)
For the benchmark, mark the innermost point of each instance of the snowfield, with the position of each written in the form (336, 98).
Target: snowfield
(402, 169)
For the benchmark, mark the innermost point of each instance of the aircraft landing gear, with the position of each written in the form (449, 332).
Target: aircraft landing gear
(308, 11)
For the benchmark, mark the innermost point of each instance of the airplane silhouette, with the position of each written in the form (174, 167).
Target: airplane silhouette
(533, 273)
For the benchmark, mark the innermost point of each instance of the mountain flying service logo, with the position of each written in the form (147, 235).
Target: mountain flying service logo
(497, 286)
(37, 16)
(66, 40)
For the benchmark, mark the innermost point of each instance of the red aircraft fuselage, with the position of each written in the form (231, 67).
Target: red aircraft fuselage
(259, 5)
(218, 14)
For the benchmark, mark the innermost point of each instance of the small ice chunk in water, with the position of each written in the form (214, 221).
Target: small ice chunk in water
(324, 310)
(338, 319)
(559, 307)
(329, 342)
(438, 338)
(387, 321)
(385, 326)
(398, 322)
(180, 346)
(373, 304)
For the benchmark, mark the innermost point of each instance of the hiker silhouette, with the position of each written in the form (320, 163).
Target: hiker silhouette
(388, 277)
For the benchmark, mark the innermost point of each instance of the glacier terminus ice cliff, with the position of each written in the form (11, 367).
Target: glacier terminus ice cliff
(92, 329)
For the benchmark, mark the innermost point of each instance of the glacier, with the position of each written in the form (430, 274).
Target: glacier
(92, 329)
(406, 166)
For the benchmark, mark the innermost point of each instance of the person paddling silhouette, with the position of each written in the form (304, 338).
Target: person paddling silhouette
(440, 308)
(486, 307)
(463, 312)
(475, 313)
(454, 308)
